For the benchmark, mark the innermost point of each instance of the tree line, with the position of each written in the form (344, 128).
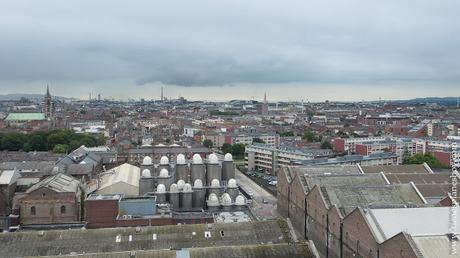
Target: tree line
(427, 158)
(58, 141)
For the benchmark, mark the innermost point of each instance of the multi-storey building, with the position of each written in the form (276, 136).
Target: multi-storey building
(219, 139)
(267, 158)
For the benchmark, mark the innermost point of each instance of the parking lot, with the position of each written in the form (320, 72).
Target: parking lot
(268, 182)
(263, 202)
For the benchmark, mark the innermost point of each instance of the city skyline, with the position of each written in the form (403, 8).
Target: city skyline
(232, 50)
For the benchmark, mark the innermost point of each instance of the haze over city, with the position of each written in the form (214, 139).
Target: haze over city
(207, 50)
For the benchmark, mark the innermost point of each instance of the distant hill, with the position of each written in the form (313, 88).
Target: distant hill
(36, 97)
(446, 101)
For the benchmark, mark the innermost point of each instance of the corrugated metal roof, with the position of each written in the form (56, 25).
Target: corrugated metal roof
(426, 221)
(60, 183)
(8, 177)
(434, 246)
(124, 173)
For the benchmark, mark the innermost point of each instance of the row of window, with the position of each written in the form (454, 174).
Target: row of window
(33, 210)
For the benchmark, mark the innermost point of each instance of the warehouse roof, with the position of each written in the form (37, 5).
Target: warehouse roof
(328, 170)
(174, 237)
(337, 180)
(347, 198)
(434, 246)
(398, 169)
(60, 183)
(427, 221)
(263, 251)
(124, 173)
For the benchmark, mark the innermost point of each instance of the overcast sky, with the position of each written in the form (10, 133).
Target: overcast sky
(293, 50)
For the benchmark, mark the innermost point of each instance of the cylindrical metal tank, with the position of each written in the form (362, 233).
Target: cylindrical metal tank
(145, 183)
(213, 202)
(226, 201)
(213, 169)
(240, 202)
(197, 171)
(147, 163)
(199, 195)
(186, 198)
(228, 167)
(161, 193)
(215, 188)
(174, 197)
(232, 188)
(182, 172)
(164, 164)
(164, 178)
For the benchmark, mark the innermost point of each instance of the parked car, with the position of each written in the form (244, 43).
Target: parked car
(273, 183)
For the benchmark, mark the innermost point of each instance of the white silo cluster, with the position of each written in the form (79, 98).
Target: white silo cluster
(192, 185)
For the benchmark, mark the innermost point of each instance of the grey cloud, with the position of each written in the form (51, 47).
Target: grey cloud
(205, 43)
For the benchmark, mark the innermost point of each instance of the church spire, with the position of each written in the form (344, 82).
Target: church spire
(48, 91)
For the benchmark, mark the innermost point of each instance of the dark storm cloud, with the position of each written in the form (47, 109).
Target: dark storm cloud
(208, 43)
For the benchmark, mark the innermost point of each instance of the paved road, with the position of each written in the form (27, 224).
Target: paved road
(260, 209)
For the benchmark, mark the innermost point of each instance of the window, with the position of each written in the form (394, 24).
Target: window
(32, 210)
(63, 209)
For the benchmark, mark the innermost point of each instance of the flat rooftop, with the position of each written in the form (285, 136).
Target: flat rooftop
(174, 237)
(263, 251)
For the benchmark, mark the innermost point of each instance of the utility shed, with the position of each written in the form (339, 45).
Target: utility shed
(123, 179)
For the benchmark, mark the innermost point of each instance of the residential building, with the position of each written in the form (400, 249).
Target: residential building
(268, 158)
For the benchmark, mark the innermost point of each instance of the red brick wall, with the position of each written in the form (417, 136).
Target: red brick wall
(339, 145)
(101, 213)
(358, 240)
(361, 149)
(443, 157)
(397, 247)
(47, 205)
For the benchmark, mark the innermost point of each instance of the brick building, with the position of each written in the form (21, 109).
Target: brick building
(54, 200)
(319, 199)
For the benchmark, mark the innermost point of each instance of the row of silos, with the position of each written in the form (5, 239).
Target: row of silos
(197, 169)
(207, 179)
(147, 182)
(225, 202)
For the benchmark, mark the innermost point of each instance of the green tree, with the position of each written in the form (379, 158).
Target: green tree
(258, 140)
(208, 143)
(59, 137)
(238, 150)
(13, 141)
(326, 145)
(61, 148)
(310, 136)
(427, 158)
(226, 148)
(37, 142)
